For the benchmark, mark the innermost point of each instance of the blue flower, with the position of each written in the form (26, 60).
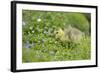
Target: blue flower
(27, 45)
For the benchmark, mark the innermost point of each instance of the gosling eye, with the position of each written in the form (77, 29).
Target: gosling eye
(56, 32)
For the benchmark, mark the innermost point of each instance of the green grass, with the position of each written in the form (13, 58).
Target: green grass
(40, 44)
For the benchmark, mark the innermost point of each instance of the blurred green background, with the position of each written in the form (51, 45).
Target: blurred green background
(39, 42)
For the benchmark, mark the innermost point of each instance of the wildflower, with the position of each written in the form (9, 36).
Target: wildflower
(31, 28)
(51, 52)
(38, 20)
(27, 45)
(43, 40)
(55, 42)
(32, 31)
(39, 41)
(45, 32)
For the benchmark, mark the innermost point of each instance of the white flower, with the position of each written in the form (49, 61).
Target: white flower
(38, 20)
(51, 52)
(45, 32)
(55, 42)
(31, 28)
(33, 31)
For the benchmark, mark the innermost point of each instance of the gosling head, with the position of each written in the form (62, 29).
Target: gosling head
(59, 33)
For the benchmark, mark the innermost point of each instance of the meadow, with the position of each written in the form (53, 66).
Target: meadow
(40, 43)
